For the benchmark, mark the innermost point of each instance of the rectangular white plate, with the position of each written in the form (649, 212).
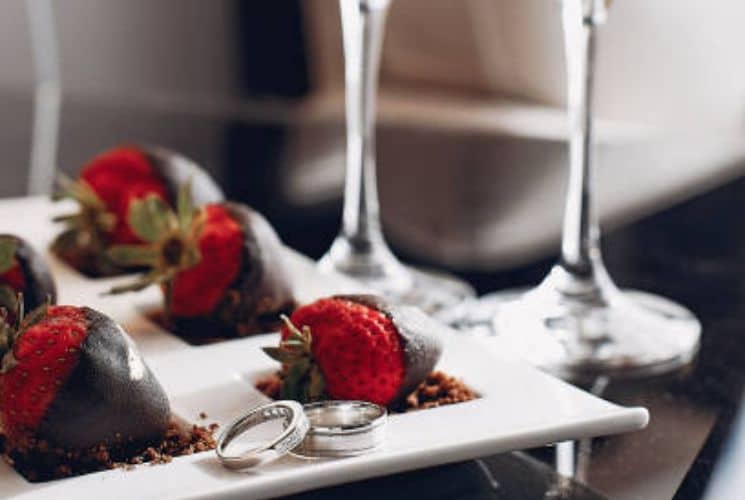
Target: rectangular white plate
(521, 407)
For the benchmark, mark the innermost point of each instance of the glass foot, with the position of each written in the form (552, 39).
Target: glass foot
(432, 291)
(435, 292)
(632, 334)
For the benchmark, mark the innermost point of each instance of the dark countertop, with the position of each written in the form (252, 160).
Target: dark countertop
(690, 253)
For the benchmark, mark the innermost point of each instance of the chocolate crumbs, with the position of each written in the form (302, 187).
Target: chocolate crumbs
(438, 389)
(38, 460)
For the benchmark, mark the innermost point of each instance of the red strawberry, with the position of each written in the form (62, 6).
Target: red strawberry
(220, 266)
(105, 190)
(199, 289)
(23, 272)
(356, 347)
(71, 376)
(118, 177)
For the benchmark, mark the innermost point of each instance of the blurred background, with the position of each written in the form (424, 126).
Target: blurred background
(471, 115)
(472, 153)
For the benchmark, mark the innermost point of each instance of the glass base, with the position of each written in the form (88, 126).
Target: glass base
(435, 292)
(627, 334)
(432, 291)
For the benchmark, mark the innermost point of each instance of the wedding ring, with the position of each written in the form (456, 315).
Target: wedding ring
(295, 429)
(343, 429)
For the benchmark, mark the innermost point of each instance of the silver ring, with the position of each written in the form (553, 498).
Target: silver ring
(295, 428)
(343, 429)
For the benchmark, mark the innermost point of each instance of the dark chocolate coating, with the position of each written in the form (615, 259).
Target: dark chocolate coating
(111, 396)
(421, 336)
(39, 284)
(262, 290)
(175, 170)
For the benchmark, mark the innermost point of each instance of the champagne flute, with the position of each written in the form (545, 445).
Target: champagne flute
(360, 251)
(577, 323)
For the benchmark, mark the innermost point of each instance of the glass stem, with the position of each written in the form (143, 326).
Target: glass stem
(580, 251)
(363, 25)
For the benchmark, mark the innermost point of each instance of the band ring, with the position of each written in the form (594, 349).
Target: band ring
(343, 429)
(296, 427)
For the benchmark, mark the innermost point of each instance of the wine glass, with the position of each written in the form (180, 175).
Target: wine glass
(577, 323)
(360, 251)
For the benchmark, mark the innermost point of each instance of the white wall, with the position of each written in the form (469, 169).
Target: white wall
(115, 46)
(662, 62)
(15, 49)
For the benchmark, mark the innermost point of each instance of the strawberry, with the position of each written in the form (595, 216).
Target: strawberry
(72, 377)
(219, 266)
(23, 273)
(356, 347)
(106, 188)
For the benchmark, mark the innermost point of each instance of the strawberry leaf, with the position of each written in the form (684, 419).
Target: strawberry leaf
(65, 188)
(274, 352)
(8, 247)
(295, 334)
(61, 188)
(307, 337)
(185, 207)
(8, 298)
(197, 224)
(302, 379)
(86, 229)
(283, 355)
(69, 219)
(141, 283)
(316, 389)
(68, 240)
(8, 362)
(133, 255)
(292, 386)
(6, 335)
(193, 256)
(79, 191)
(292, 344)
(106, 221)
(33, 317)
(151, 218)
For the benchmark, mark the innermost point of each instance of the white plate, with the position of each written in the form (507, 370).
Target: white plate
(520, 408)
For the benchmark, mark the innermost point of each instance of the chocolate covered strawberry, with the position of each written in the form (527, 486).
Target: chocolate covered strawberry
(105, 190)
(23, 273)
(72, 377)
(356, 347)
(219, 266)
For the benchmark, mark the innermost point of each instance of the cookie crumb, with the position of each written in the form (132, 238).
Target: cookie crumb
(37, 460)
(438, 389)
